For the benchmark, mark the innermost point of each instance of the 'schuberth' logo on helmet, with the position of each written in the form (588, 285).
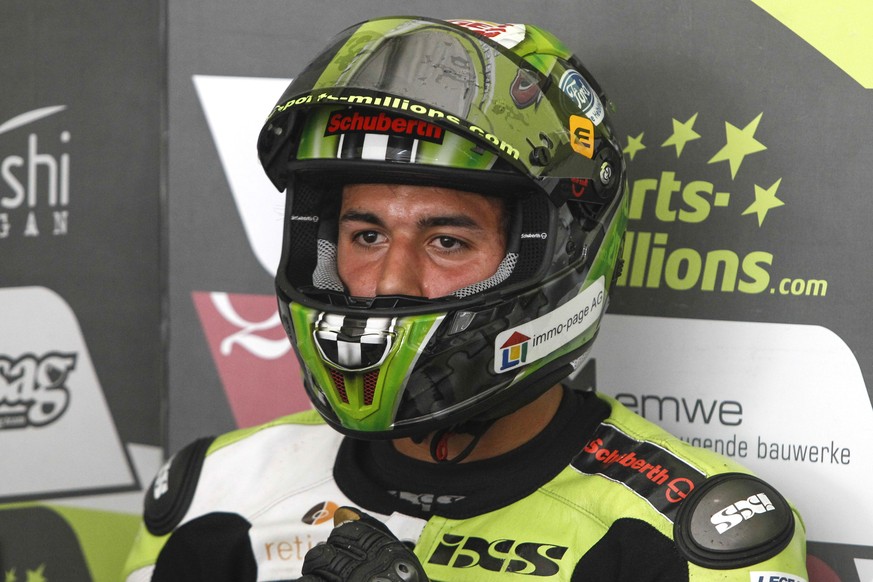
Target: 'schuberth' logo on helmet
(358, 122)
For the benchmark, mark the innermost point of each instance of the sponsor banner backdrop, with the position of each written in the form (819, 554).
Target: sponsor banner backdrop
(81, 282)
(245, 333)
(52, 406)
(741, 320)
(741, 409)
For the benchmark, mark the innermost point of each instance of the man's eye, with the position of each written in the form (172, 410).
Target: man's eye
(449, 243)
(368, 237)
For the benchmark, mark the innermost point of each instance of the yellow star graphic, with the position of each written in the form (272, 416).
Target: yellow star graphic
(682, 134)
(740, 143)
(765, 200)
(634, 144)
(10, 576)
(36, 575)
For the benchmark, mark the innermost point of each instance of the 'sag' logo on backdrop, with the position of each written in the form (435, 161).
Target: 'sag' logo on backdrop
(49, 391)
(33, 389)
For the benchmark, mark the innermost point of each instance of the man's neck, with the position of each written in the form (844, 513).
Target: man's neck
(504, 435)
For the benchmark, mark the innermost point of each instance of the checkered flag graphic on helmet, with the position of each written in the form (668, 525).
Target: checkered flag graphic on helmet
(354, 343)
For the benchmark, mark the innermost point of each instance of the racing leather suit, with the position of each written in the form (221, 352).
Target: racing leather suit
(600, 494)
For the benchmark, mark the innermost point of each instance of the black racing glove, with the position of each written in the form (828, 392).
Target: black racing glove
(361, 549)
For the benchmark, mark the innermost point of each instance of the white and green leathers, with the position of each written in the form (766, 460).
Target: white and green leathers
(543, 536)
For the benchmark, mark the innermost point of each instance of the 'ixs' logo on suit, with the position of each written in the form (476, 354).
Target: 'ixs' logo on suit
(33, 389)
(503, 555)
(34, 176)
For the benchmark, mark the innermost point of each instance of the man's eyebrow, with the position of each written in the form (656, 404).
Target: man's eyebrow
(456, 220)
(361, 216)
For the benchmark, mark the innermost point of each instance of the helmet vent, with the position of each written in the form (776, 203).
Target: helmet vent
(339, 383)
(370, 379)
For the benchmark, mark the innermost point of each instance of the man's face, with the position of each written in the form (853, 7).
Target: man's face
(417, 240)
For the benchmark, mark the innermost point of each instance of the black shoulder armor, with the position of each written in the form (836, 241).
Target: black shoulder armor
(171, 491)
(733, 520)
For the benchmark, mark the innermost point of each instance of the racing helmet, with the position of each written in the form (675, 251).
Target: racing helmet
(502, 110)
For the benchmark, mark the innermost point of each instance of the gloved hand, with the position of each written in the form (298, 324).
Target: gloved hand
(361, 549)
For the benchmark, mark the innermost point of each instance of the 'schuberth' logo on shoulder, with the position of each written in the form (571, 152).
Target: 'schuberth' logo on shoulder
(34, 176)
(33, 389)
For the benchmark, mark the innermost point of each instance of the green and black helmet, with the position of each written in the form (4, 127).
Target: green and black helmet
(502, 110)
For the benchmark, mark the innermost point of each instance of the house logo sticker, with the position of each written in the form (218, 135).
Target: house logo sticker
(514, 351)
(541, 337)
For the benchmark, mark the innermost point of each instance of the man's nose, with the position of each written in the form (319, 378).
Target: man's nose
(400, 272)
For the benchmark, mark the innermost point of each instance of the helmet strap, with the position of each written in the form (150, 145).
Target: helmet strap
(439, 442)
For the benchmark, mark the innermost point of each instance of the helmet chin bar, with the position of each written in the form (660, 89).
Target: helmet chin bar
(501, 401)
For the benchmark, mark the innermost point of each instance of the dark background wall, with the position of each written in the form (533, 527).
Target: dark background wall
(746, 127)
